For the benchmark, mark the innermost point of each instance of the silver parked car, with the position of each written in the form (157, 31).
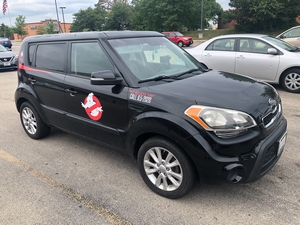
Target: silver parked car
(291, 36)
(255, 55)
(8, 59)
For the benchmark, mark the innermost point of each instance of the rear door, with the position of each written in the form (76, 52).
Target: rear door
(98, 112)
(46, 75)
(220, 55)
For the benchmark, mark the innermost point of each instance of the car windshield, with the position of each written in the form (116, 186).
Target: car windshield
(2, 49)
(152, 57)
(281, 44)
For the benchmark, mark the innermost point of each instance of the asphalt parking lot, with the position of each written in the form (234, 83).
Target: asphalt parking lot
(65, 180)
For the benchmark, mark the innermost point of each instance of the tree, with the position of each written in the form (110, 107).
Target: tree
(89, 20)
(40, 30)
(107, 4)
(50, 27)
(19, 26)
(173, 14)
(119, 17)
(264, 15)
(5, 31)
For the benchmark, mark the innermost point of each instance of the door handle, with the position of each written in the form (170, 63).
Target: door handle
(32, 80)
(72, 92)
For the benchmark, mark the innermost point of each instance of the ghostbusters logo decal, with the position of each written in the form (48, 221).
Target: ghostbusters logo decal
(92, 107)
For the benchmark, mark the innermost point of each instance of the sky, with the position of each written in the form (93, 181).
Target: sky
(38, 10)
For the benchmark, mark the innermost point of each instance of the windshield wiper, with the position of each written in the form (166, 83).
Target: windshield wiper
(187, 72)
(157, 78)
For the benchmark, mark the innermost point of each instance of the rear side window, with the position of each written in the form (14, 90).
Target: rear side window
(222, 45)
(51, 56)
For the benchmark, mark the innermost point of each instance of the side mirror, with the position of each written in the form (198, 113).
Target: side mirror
(272, 51)
(105, 77)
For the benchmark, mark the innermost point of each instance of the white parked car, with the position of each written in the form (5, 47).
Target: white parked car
(255, 55)
(291, 36)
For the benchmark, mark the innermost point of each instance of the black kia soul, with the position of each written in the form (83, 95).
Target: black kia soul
(138, 92)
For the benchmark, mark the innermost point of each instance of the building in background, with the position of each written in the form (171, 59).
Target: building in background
(32, 28)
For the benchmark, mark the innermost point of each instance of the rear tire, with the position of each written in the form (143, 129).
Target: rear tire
(290, 80)
(165, 168)
(32, 123)
(180, 44)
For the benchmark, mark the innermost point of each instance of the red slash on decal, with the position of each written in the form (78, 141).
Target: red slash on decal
(92, 107)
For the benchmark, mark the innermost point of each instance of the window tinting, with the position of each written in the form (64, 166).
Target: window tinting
(254, 46)
(31, 54)
(226, 44)
(88, 57)
(51, 56)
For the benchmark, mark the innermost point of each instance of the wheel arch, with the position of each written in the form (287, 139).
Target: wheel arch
(166, 125)
(284, 74)
(287, 69)
(25, 94)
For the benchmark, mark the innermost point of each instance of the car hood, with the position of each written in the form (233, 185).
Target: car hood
(6, 54)
(225, 90)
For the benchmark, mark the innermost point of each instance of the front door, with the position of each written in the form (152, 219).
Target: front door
(254, 60)
(98, 112)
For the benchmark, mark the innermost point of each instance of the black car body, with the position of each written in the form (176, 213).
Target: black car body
(5, 42)
(137, 92)
(8, 59)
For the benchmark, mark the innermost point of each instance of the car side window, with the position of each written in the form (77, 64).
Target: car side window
(51, 56)
(253, 46)
(292, 33)
(226, 44)
(31, 54)
(88, 57)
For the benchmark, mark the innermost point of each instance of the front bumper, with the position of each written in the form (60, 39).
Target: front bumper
(214, 168)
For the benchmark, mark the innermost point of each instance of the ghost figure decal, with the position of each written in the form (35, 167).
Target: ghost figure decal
(92, 107)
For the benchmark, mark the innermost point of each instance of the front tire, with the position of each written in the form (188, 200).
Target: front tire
(290, 80)
(32, 122)
(165, 168)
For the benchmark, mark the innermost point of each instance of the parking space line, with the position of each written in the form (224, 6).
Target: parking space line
(76, 196)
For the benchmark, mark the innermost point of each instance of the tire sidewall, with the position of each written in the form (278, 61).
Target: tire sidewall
(284, 78)
(186, 166)
(41, 129)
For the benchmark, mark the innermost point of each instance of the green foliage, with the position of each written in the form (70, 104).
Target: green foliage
(5, 31)
(89, 20)
(119, 17)
(50, 27)
(20, 25)
(40, 30)
(263, 15)
(173, 14)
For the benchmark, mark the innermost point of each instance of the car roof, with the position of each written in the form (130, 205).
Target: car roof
(92, 35)
(242, 35)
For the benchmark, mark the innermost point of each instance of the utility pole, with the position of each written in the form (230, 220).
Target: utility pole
(62, 10)
(59, 29)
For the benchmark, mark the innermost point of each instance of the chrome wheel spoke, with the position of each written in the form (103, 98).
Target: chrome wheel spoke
(163, 169)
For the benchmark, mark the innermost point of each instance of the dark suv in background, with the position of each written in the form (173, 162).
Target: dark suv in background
(137, 92)
(178, 38)
(6, 43)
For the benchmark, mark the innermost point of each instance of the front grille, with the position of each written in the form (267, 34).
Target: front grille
(6, 59)
(271, 117)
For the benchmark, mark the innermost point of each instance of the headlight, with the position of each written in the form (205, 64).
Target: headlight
(225, 123)
(185, 39)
